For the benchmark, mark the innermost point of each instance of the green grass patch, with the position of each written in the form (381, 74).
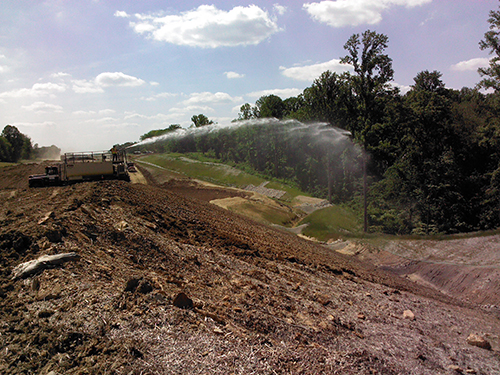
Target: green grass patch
(331, 223)
(264, 214)
(203, 168)
(5, 164)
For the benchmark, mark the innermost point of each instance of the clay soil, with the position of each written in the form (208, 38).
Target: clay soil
(257, 300)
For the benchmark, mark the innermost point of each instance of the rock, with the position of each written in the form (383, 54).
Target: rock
(122, 226)
(47, 216)
(408, 314)
(479, 341)
(132, 284)
(183, 301)
(45, 313)
(144, 287)
(361, 316)
(218, 331)
(35, 284)
(455, 368)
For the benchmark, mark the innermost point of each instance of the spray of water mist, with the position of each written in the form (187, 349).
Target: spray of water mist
(319, 132)
(324, 157)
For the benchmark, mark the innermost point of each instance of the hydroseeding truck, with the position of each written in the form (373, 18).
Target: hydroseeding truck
(84, 166)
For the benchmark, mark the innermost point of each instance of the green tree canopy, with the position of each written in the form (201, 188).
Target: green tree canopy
(246, 112)
(20, 144)
(491, 42)
(158, 132)
(270, 106)
(428, 81)
(372, 73)
(201, 120)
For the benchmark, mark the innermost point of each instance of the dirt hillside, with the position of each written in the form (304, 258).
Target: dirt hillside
(168, 284)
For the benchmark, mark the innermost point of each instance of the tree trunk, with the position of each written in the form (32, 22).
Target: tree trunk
(365, 198)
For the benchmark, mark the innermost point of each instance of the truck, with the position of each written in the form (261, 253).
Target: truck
(84, 166)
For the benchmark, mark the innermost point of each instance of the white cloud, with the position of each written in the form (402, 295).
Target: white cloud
(117, 79)
(191, 109)
(209, 27)
(472, 64)
(121, 14)
(102, 120)
(60, 75)
(157, 117)
(340, 13)
(280, 9)
(38, 90)
(213, 98)
(311, 72)
(104, 112)
(282, 93)
(45, 124)
(162, 95)
(232, 75)
(82, 86)
(403, 88)
(107, 111)
(40, 107)
(106, 79)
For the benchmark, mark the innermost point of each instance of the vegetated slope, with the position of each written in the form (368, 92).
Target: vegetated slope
(466, 268)
(263, 301)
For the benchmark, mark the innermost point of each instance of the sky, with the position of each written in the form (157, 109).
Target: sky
(84, 75)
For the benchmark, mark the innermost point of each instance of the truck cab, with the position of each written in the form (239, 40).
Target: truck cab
(52, 177)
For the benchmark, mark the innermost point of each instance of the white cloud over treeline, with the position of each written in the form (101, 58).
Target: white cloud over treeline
(472, 64)
(106, 79)
(311, 72)
(342, 13)
(207, 26)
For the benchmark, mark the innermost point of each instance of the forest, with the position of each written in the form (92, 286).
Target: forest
(16, 146)
(423, 162)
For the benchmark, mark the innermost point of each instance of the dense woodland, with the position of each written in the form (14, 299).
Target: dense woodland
(15, 146)
(426, 161)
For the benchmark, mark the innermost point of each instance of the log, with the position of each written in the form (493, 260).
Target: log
(35, 266)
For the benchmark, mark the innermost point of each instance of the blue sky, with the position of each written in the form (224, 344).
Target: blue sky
(86, 74)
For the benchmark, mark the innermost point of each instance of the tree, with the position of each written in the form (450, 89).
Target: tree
(428, 81)
(5, 149)
(270, 106)
(20, 144)
(157, 133)
(245, 112)
(491, 41)
(201, 120)
(330, 99)
(373, 71)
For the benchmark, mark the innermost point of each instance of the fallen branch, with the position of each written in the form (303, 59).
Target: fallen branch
(38, 265)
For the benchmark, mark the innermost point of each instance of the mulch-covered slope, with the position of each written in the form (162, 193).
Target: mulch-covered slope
(256, 300)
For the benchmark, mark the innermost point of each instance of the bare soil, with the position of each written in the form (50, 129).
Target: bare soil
(464, 268)
(256, 299)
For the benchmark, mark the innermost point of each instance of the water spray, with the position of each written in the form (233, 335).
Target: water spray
(321, 132)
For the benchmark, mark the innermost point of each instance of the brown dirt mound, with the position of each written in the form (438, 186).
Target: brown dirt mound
(263, 301)
(192, 189)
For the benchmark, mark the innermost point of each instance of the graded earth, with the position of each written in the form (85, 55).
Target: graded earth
(165, 283)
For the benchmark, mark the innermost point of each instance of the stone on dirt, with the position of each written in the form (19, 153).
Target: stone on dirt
(408, 314)
(132, 284)
(183, 301)
(479, 341)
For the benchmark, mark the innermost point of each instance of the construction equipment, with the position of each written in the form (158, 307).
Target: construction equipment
(84, 166)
